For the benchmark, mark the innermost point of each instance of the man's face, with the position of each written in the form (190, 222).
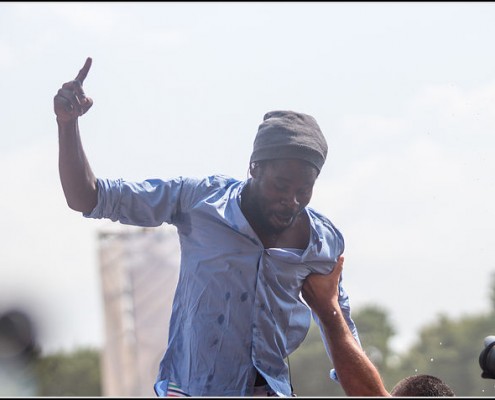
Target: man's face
(280, 191)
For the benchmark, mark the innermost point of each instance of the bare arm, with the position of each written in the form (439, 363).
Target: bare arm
(357, 374)
(78, 180)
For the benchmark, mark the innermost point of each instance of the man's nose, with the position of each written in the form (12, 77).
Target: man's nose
(291, 201)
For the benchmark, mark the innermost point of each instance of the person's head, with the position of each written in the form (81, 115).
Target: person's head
(422, 386)
(288, 153)
(17, 338)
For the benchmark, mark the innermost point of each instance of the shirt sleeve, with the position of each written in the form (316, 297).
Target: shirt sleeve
(148, 203)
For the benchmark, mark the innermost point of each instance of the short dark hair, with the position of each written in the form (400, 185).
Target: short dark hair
(423, 386)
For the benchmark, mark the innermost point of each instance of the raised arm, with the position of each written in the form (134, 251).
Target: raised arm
(78, 180)
(356, 373)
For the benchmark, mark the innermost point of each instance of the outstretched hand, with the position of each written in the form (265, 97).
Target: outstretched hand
(321, 291)
(71, 102)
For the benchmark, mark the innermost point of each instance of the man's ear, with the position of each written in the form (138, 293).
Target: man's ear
(254, 169)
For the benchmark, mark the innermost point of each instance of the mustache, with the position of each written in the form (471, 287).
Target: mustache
(288, 212)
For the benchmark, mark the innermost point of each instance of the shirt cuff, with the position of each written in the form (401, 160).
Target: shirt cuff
(333, 375)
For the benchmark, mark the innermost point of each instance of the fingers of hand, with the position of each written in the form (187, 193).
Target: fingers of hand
(72, 100)
(62, 105)
(68, 101)
(81, 76)
(339, 266)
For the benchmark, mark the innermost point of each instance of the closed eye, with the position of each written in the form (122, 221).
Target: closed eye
(304, 192)
(281, 187)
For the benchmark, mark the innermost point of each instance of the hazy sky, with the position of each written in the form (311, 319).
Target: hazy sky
(404, 92)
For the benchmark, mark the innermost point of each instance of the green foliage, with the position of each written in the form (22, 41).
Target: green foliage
(449, 349)
(69, 374)
(446, 348)
(375, 331)
(310, 365)
(310, 368)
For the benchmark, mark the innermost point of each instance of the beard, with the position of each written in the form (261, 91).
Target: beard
(270, 221)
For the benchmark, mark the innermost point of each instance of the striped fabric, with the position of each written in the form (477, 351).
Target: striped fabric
(175, 391)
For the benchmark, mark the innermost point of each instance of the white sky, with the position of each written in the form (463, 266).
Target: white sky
(404, 92)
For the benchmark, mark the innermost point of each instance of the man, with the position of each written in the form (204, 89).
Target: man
(356, 373)
(422, 386)
(246, 248)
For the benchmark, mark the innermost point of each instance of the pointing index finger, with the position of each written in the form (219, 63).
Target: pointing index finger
(81, 76)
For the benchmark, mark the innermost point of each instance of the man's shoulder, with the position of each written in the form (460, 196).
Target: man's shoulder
(210, 181)
(322, 221)
(212, 187)
(206, 189)
(318, 216)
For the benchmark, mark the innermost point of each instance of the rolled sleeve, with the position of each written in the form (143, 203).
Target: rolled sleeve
(109, 193)
(148, 203)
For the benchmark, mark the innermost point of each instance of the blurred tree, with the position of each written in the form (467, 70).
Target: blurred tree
(310, 365)
(70, 374)
(310, 368)
(449, 349)
(446, 348)
(375, 332)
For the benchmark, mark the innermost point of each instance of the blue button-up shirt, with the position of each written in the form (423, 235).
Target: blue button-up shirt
(237, 307)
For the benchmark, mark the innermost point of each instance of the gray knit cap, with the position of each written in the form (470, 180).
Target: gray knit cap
(288, 134)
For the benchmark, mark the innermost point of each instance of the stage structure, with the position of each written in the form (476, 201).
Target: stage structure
(139, 272)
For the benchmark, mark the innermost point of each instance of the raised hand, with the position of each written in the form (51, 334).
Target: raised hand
(71, 102)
